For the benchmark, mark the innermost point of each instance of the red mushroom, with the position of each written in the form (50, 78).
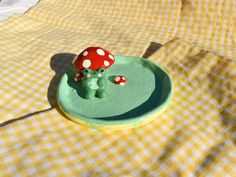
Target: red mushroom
(94, 58)
(120, 80)
(78, 76)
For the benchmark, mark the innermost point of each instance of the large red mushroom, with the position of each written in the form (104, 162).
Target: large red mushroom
(94, 58)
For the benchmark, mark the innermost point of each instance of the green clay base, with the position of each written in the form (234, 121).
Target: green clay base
(146, 93)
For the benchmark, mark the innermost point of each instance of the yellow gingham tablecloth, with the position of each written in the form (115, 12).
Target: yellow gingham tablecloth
(195, 136)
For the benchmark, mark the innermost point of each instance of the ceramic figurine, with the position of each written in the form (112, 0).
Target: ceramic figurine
(113, 93)
(91, 65)
(120, 80)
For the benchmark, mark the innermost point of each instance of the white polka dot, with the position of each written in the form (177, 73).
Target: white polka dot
(117, 79)
(77, 74)
(76, 79)
(100, 52)
(123, 78)
(111, 57)
(106, 63)
(99, 75)
(122, 83)
(85, 53)
(86, 63)
(74, 59)
(88, 75)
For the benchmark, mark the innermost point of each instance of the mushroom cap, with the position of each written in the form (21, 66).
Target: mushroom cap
(120, 80)
(94, 58)
(78, 76)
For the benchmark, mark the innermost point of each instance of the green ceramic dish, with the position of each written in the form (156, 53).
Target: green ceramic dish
(147, 92)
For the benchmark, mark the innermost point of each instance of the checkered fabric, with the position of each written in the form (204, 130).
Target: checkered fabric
(209, 24)
(195, 136)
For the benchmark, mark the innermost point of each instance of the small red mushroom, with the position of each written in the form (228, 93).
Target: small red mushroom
(120, 80)
(78, 76)
(94, 58)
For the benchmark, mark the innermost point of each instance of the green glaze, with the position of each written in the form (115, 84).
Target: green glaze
(148, 91)
(94, 83)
